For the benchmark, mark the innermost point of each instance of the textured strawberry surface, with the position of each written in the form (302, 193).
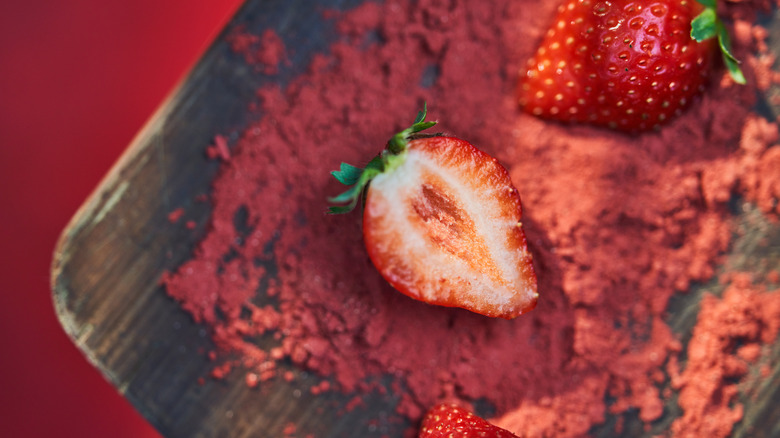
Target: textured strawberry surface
(450, 420)
(629, 65)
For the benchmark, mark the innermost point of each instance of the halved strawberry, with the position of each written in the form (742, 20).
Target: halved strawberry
(441, 223)
(450, 420)
(631, 65)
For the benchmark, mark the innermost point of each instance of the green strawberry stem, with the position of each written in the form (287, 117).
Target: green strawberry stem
(390, 158)
(708, 25)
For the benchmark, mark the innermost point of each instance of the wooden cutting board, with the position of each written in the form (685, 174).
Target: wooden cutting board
(109, 260)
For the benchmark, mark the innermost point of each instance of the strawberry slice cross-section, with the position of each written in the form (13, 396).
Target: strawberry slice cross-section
(442, 223)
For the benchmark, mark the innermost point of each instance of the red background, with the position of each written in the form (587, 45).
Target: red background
(78, 79)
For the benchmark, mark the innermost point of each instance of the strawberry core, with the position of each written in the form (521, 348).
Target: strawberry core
(448, 226)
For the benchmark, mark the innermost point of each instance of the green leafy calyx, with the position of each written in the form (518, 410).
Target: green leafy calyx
(390, 158)
(707, 25)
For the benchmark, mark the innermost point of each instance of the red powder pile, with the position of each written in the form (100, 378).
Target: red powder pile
(617, 225)
(264, 52)
(727, 339)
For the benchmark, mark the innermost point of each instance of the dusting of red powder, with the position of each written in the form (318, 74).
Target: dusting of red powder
(264, 52)
(617, 225)
(727, 338)
(219, 149)
(175, 215)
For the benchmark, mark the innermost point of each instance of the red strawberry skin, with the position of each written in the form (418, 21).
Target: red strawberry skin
(630, 65)
(444, 228)
(449, 420)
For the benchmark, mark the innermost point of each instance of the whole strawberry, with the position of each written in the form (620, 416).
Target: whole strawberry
(631, 65)
(441, 223)
(450, 420)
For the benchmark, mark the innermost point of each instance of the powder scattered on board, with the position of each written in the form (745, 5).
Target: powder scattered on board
(618, 225)
(726, 340)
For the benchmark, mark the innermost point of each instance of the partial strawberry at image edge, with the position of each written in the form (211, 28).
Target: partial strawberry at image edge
(627, 65)
(442, 223)
(450, 420)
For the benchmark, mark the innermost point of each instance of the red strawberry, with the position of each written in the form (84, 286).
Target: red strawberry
(449, 420)
(441, 223)
(627, 64)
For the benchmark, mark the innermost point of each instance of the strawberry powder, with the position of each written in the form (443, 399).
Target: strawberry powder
(618, 225)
